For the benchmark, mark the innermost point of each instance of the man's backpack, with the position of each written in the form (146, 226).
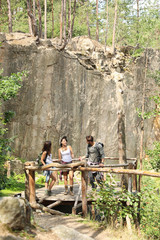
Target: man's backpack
(38, 160)
(99, 143)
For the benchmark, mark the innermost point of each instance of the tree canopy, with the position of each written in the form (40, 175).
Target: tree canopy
(138, 22)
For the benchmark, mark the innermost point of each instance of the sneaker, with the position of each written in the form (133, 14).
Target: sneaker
(46, 192)
(49, 193)
(65, 192)
(71, 193)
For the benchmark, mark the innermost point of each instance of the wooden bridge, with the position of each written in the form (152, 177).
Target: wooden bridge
(81, 189)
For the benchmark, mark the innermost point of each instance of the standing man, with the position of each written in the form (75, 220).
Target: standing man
(95, 155)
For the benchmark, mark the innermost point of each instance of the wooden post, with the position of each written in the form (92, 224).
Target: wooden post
(84, 194)
(93, 211)
(8, 169)
(122, 146)
(135, 177)
(130, 178)
(76, 201)
(26, 185)
(32, 194)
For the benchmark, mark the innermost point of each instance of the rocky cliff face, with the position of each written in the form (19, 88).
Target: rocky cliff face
(76, 92)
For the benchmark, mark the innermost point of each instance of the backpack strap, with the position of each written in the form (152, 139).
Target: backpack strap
(45, 157)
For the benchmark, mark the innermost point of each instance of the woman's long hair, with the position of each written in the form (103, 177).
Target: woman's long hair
(62, 140)
(47, 147)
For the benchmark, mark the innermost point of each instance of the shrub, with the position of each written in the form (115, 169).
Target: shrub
(150, 208)
(154, 156)
(115, 205)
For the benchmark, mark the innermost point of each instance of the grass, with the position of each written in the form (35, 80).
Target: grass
(8, 192)
(16, 184)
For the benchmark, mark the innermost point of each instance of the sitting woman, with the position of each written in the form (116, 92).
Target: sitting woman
(65, 154)
(46, 158)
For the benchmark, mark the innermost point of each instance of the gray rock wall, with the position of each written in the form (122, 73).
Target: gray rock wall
(76, 92)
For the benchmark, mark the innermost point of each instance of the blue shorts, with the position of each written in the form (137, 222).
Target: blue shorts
(47, 173)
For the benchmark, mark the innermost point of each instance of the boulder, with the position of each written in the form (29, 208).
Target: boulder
(66, 233)
(13, 213)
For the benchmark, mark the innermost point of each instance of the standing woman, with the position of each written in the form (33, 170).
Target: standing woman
(65, 154)
(46, 158)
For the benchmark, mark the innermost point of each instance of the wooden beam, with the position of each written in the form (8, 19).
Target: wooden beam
(45, 209)
(54, 204)
(70, 165)
(76, 201)
(74, 208)
(121, 171)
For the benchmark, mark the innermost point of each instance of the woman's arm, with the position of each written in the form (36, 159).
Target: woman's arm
(43, 157)
(72, 155)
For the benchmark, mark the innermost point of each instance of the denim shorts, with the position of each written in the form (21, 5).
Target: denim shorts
(47, 173)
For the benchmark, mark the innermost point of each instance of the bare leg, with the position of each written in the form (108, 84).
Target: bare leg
(71, 178)
(65, 178)
(65, 182)
(71, 182)
(46, 185)
(52, 181)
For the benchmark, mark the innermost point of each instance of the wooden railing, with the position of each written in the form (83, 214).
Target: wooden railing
(31, 167)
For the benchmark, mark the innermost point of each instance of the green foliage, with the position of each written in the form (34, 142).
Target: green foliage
(150, 206)
(9, 87)
(156, 76)
(130, 30)
(154, 156)
(41, 180)
(137, 52)
(115, 205)
(16, 182)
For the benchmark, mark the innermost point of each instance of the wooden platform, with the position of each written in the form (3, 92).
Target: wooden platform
(58, 194)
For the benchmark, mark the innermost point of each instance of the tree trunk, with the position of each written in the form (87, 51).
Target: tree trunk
(0, 14)
(69, 19)
(61, 21)
(122, 146)
(97, 27)
(87, 17)
(64, 27)
(33, 21)
(114, 27)
(52, 19)
(74, 14)
(142, 132)
(34, 8)
(9, 16)
(45, 19)
(30, 25)
(143, 109)
(106, 37)
(137, 21)
(40, 19)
